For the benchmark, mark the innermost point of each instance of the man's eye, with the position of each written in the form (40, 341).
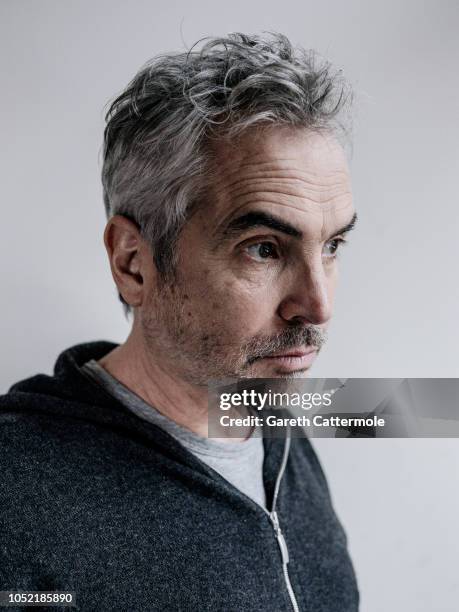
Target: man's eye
(263, 250)
(331, 247)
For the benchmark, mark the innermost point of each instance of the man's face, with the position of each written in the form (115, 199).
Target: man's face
(257, 270)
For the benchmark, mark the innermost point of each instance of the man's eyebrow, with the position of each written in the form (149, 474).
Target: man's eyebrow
(259, 219)
(348, 227)
(262, 219)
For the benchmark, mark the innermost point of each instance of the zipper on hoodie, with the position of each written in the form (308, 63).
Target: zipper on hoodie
(277, 529)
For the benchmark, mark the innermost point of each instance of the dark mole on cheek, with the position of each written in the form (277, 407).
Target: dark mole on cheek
(185, 296)
(189, 314)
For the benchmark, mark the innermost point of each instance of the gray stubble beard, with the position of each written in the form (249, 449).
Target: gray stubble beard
(198, 356)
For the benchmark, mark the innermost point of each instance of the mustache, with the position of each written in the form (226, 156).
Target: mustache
(293, 337)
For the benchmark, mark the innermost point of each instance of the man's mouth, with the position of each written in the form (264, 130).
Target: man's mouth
(293, 359)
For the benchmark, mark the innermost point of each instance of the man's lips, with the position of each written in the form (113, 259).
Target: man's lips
(295, 352)
(293, 359)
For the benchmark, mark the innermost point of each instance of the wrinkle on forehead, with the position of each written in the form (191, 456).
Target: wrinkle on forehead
(283, 168)
(291, 195)
(296, 183)
(299, 170)
(283, 148)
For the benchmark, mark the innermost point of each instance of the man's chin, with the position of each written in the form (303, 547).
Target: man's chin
(287, 375)
(278, 372)
(289, 366)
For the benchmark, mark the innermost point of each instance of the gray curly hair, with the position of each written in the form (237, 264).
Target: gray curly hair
(157, 142)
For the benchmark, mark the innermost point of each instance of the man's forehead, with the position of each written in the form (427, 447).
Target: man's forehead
(288, 148)
(294, 174)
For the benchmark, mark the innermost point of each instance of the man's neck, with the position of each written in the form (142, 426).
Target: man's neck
(133, 364)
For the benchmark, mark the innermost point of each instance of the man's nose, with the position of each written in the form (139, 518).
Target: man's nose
(309, 298)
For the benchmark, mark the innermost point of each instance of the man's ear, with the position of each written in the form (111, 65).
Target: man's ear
(130, 258)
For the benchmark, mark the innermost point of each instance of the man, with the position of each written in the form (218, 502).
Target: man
(228, 197)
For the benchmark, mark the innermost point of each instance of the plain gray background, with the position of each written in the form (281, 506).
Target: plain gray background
(398, 301)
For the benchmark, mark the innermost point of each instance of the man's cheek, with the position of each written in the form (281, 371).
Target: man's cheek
(230, 303)
(245, 315)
